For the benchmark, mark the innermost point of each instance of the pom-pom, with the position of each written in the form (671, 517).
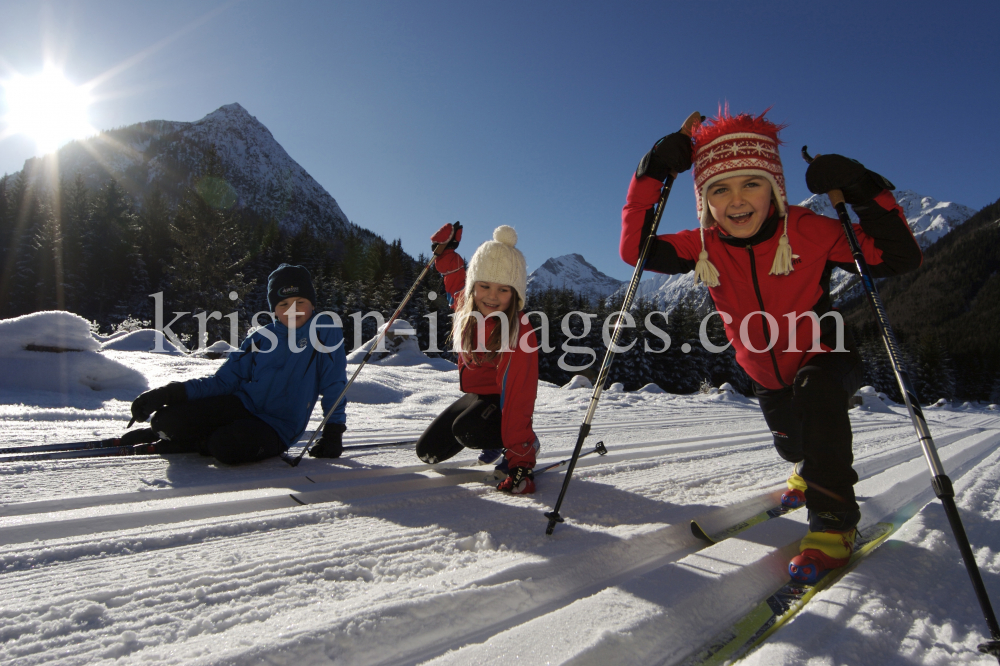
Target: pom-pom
(705, 271)
(783, 256)
(505, 235)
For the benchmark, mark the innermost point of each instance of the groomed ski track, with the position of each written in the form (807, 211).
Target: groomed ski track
(355, 561)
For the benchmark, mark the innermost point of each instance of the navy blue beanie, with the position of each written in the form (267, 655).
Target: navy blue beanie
(287, 281)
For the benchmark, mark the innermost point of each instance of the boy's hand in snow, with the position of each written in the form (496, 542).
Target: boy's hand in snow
(151, 401)
(331, 444)
(836, 172)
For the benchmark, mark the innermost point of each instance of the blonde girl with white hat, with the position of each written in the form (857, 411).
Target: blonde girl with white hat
(497, 360)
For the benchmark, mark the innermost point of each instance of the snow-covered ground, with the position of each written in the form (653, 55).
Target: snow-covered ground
(375, 558)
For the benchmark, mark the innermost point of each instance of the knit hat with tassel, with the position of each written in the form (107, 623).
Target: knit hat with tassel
(741, 145)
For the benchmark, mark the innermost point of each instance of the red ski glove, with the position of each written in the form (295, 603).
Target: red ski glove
(446, 238)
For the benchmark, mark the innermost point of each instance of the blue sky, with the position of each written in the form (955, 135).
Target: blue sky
(534, 114)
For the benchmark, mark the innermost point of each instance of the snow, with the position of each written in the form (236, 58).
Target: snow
(62, 330)
(218, 348)
(873, 401)
(145, 340)
(56, 352)
(375, 558)
(578, 382)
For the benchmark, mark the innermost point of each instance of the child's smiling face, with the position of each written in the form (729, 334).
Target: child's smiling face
(740, 204)
(303, 310)
(492, 297)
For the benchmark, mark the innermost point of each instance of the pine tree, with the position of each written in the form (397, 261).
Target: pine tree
(19, 204)
(208, 263)
(108, 241)
(156, 245)
(75, 207)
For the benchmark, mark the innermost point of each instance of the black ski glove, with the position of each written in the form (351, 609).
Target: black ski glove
(671, 153)
(158, 398)
(836, 172)
(331, 444)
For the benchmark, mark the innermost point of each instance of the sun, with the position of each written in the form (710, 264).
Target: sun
(46, 108)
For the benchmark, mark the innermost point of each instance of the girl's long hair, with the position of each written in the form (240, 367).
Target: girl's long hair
(465, 329)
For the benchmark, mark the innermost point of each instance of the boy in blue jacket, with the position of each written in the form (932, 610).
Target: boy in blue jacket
(258, 402)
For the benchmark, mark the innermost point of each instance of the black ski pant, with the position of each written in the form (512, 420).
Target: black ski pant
(471, 421)
(809, 422)
(219, 426)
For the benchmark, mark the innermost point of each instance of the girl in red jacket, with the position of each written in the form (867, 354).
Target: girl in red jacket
(767, 267)
(497, 360)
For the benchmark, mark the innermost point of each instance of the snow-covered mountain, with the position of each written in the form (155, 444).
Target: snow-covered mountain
(168, 155)
(929, 219)
(669, 290)
(571, 271)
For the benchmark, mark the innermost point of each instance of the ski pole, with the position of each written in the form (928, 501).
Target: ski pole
(553, 515)
(939, 480)
(294, 461)
(599, 449)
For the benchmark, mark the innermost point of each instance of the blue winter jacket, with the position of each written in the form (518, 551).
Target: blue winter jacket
(278, 386)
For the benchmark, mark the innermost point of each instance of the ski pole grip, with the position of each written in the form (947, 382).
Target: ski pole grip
(693, 120)
(687, 128)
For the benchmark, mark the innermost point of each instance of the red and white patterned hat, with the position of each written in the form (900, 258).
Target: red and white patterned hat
(741, 145)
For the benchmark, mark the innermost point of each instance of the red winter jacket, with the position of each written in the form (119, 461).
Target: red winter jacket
(745, 287)
(513, 375)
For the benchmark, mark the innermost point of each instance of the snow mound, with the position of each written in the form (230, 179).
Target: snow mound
(871, 400)
(725, 393)
(650, 388)
(55, 330)
(578, 382)
(377, 390)
(144, 341)
(617, 387)
(216, 350)
(401, 348)
(30, 358)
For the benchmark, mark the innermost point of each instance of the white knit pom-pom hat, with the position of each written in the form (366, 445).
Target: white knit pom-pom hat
(499, 261)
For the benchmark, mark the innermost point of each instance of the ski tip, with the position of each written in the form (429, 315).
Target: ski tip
(699, 533)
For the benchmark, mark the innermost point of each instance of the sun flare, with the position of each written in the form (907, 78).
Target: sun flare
(46, 108)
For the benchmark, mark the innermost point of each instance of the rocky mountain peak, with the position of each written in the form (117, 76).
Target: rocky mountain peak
(168, 155)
